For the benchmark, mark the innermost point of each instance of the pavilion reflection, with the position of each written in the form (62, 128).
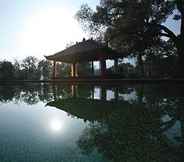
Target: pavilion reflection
(92, 103)
(154, 108)
(95, 93)
(126, 123)
(34, 93)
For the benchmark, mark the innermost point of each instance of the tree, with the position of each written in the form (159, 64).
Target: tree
(17, 71)
(44, 68)
(159, 60)
(135, 25)
(29, 67)
(6, 70)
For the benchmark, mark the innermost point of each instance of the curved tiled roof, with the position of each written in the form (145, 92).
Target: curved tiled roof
(87, 50)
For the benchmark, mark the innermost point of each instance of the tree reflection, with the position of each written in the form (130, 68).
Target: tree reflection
(28, 93)
(126, 128)
(129, 134)
(137, 132)
(135, 124)
(7, 93)
(44, 93)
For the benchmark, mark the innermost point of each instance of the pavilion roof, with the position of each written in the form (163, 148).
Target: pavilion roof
(87, 50)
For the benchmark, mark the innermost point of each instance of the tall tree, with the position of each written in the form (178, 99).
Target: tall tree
(134, 25)
(44, 69)
(6, 70)
(29, 66)
(17, 70)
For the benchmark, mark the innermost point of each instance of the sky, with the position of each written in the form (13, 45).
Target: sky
(38, 27)
(41, 27)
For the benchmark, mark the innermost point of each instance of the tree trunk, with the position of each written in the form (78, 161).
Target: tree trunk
(180, 61)
(180, 49)
(141, 67)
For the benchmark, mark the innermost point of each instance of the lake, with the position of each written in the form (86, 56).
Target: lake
(91, 123)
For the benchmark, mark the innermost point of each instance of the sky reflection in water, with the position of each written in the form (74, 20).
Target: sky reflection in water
(91, 123)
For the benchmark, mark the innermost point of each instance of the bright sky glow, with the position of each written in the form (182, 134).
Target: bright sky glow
(49, 30)
(56, 125)
(38, 28)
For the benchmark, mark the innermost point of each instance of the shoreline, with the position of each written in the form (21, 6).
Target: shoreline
(101, 81)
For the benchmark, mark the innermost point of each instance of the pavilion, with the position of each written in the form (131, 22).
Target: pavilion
(85, 51)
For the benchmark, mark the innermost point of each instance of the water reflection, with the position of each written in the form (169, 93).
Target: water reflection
(109, 123)
(129, 124)
(32, 94)
(56, 125)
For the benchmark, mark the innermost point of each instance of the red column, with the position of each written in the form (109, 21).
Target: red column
(92, 68)
(103, 67)
(103, 94)
(116, 65)
(54, 70)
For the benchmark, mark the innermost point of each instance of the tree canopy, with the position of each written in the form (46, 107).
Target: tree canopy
(6, 70)
(134, 25)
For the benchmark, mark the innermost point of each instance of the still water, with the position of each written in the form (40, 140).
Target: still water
(82, 123)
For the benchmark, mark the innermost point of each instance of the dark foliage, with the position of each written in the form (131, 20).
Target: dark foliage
(136, 25)
(29, 69)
